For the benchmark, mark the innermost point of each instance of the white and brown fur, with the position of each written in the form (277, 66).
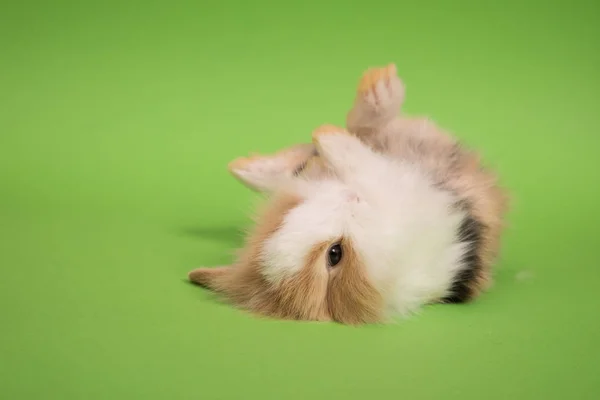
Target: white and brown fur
(418, 218)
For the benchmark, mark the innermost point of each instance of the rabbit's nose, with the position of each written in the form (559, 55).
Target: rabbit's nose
(351, 196)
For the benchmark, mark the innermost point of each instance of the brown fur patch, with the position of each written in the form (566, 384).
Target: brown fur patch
(372, 76)
(351, 298)
(343, 294)
(299, 297)
(208, 277)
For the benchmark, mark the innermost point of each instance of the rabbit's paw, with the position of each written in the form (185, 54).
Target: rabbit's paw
(381, 87)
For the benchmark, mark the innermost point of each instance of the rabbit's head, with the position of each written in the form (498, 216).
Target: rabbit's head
(355, 246)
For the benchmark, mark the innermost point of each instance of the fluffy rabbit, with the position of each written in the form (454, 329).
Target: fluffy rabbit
(368, 223)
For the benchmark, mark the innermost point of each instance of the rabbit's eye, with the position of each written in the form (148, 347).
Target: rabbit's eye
(334, 255)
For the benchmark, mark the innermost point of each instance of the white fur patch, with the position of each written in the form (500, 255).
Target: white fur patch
(402, 226)
(322, 217)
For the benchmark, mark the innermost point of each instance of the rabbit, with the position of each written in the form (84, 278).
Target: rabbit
(365, 224)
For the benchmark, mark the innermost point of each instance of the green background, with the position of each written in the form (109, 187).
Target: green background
(117, 121)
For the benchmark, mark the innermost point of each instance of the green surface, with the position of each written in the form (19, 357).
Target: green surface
(117, 122)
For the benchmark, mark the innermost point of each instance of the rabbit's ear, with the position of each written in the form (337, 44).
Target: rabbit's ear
(210, 278)
(266, 173)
